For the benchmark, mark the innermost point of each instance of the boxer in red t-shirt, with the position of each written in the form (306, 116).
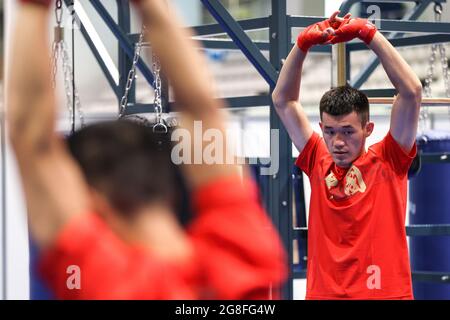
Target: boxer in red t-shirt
(357, 245)
(101, 206)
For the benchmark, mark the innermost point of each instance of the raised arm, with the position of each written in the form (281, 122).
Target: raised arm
(191, 82)
(54, 188)
(286, 96)
(286, 99)
(406, 107)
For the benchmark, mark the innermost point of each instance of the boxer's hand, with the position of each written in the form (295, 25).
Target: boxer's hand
(320, 32)
(313, 35)
(355, 28)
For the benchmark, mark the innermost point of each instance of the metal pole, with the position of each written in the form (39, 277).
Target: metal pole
(125, 63)
(280, 184)
(341, 65)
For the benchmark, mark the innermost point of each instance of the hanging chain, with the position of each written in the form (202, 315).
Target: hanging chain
(58, 34)
(159, 126)
(59, 49)
(424, 113)
(444, 63)
(132, 72)
(157, 85)
(71, 93)
(55, 57)
(443, 55)
(429, 78)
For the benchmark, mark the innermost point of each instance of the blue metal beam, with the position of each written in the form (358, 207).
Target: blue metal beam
(280, 184)
(124, 42)
(220, 44)
(230, 45)
(124, 62)
(378, 93)
(263, 46)
(216, 28)
(413, 26)
(405, 42)
(246, 45)
(302, 21)
(235, 102)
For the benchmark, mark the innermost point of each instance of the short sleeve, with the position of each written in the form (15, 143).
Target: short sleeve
(391, 152)
(311, 153)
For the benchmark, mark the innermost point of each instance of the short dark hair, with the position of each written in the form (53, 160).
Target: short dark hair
(344, 100)
(127, 162)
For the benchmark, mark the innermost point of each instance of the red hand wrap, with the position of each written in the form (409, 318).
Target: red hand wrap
(355, 28)
(313, 35)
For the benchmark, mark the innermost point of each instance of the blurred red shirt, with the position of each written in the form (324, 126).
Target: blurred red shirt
(238, 254)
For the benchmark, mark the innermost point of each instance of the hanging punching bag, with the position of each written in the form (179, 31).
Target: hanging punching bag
(430, 204)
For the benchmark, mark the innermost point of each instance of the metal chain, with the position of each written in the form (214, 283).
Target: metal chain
(157, 85)
(67, 83)
(132, 72)
(445, 72)
(424, 112)
(59, 49)
(159, 126)
(55, 57)
(443, 55)
(55, 51)
(429, 78)
(70, 91)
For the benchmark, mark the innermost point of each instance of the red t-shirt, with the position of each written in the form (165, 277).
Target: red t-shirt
(357, 246)
(238, 254)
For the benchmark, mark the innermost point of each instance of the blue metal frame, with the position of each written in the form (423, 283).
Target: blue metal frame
(280, 186)
(217, 29)
(237, 34)
(124, 41)
(124, 61)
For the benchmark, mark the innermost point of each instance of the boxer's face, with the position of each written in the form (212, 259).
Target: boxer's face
(345, 137)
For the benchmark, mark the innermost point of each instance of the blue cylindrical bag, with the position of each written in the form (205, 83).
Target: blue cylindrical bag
(430, 204)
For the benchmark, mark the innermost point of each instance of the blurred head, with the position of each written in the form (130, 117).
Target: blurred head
(344, 115)
(127, 163)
